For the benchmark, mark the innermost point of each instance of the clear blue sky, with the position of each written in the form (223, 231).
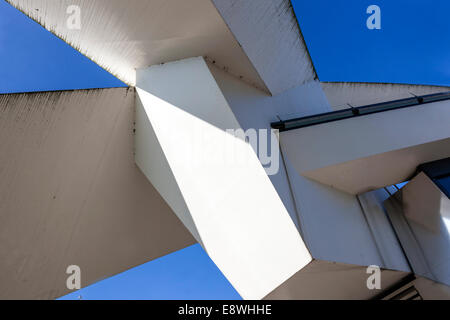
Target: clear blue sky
(411, 47)
(188, 274)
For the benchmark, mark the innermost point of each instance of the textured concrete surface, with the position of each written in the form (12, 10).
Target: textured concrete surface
(70, 193)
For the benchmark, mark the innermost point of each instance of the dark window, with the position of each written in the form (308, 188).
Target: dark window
(444, 184)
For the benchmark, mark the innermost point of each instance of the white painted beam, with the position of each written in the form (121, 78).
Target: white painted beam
(325, 280)
(258, 41)
(71, 193)
(229, 205)
(122, 36)
(269, 33)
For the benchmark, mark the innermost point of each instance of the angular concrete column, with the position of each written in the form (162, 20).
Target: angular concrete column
(420, 214)
(213, 180)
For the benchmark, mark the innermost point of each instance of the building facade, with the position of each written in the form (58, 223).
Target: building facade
(225, 137)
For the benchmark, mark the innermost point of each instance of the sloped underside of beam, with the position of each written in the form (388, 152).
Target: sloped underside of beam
(258, 41)
(327, 280)
(270, 36)
(222, 193)
(71, 194)
(342, 95)
(122, 36)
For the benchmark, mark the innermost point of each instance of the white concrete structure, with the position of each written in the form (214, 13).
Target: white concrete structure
(179, 105)
(70, 192)
(108, 179)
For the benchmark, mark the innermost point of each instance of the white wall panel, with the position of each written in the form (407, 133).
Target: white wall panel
(240, 219)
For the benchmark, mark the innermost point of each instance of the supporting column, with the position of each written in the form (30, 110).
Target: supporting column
(212, 179)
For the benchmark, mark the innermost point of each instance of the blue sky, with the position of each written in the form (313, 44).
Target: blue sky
(411, 47)
(185, 274)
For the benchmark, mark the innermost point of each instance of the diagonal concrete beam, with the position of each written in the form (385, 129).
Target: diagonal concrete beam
(258, 41)
(269, 33)
(213, 180)
(71, 193)
(122, 36)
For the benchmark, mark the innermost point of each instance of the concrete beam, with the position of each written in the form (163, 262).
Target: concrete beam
(258, 41)
(331, 222)
(122, 36)
(71, 193)
(365, 153)
(228, 203)
(269, 33)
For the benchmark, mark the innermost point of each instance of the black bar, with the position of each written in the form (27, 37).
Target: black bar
(302, 122)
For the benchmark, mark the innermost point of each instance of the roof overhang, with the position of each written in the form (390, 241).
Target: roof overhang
(368, 152)
(256, 40)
